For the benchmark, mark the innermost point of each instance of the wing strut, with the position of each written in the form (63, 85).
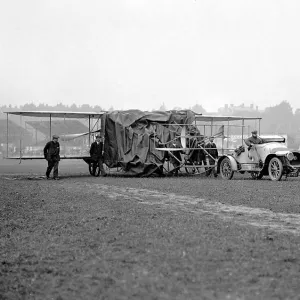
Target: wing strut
(7, 135)
(89, 129)
(21, 136)
(50, 127)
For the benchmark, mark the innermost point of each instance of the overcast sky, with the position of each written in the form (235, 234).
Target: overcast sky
(140, 54)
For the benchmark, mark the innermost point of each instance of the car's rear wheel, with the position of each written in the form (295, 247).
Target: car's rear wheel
(226, 169)
(257, 175)
(275, 169)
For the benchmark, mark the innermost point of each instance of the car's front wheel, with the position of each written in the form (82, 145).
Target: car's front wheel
(275, 169)
(226, 169)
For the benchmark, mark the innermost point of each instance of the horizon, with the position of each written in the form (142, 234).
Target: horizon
(241, 105)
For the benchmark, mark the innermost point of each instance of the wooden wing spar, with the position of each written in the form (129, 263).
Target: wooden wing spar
(206, 118)
(95, 115)
(57, 114)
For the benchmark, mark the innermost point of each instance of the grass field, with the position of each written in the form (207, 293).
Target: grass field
(146, 238)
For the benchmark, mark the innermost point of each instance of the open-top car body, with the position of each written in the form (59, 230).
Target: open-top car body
(270, 158)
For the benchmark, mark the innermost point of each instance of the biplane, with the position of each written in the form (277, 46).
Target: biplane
(135, 142)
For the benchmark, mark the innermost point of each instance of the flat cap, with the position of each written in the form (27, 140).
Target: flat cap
(55, 136)
(254, 131)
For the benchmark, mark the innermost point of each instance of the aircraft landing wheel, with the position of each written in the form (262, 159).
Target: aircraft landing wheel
(256, 175)
(190, 170)
(275, 169)
(226, 169)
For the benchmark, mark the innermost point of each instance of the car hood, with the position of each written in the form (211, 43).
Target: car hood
(274, 147)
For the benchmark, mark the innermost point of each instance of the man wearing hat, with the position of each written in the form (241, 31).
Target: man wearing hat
(51, 154)
(96, 152)
(253, 140)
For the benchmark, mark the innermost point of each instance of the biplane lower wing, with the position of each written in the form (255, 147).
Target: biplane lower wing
(42, 157)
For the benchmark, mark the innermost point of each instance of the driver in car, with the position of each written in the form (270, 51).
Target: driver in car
(253, 140)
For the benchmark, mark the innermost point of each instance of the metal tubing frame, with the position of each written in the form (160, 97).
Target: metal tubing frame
(243, 121)
(7, 135)
(21, 135)
(50, 126)
(228, 133)
(89, 129)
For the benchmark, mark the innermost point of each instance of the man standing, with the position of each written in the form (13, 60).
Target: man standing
(51, 154)
(198, 155)
(96, 152)
(212, 153)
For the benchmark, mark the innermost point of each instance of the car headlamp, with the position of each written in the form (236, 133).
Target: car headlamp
(290, 156)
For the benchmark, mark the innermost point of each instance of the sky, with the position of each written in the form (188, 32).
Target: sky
(140, 54)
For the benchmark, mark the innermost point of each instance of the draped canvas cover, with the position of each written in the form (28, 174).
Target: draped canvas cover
(132, 138)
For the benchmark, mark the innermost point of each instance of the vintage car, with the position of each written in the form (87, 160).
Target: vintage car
(271, 158)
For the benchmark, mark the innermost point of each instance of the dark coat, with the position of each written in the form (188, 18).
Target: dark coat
(96, 150)
(213, 152)
(198, 155)
(51, 151)
(253, 140)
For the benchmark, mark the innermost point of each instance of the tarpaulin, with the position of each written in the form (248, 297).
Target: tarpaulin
(132, 138)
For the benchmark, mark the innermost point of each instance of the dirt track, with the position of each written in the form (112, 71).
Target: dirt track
(243, 215)
(129, 238)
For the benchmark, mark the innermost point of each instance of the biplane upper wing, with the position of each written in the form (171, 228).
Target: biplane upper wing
(57, 114)
(223, 118)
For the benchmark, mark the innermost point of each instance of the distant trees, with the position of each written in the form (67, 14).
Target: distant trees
(279, 119)
(177, 108)
(197, 108)
(58, 107)
(163, 107)
(97, 108)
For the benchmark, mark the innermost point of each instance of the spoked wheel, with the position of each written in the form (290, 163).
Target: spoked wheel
(226, 169)
(190, 170)
(275, 169)
(174, 169)
(256, 175)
